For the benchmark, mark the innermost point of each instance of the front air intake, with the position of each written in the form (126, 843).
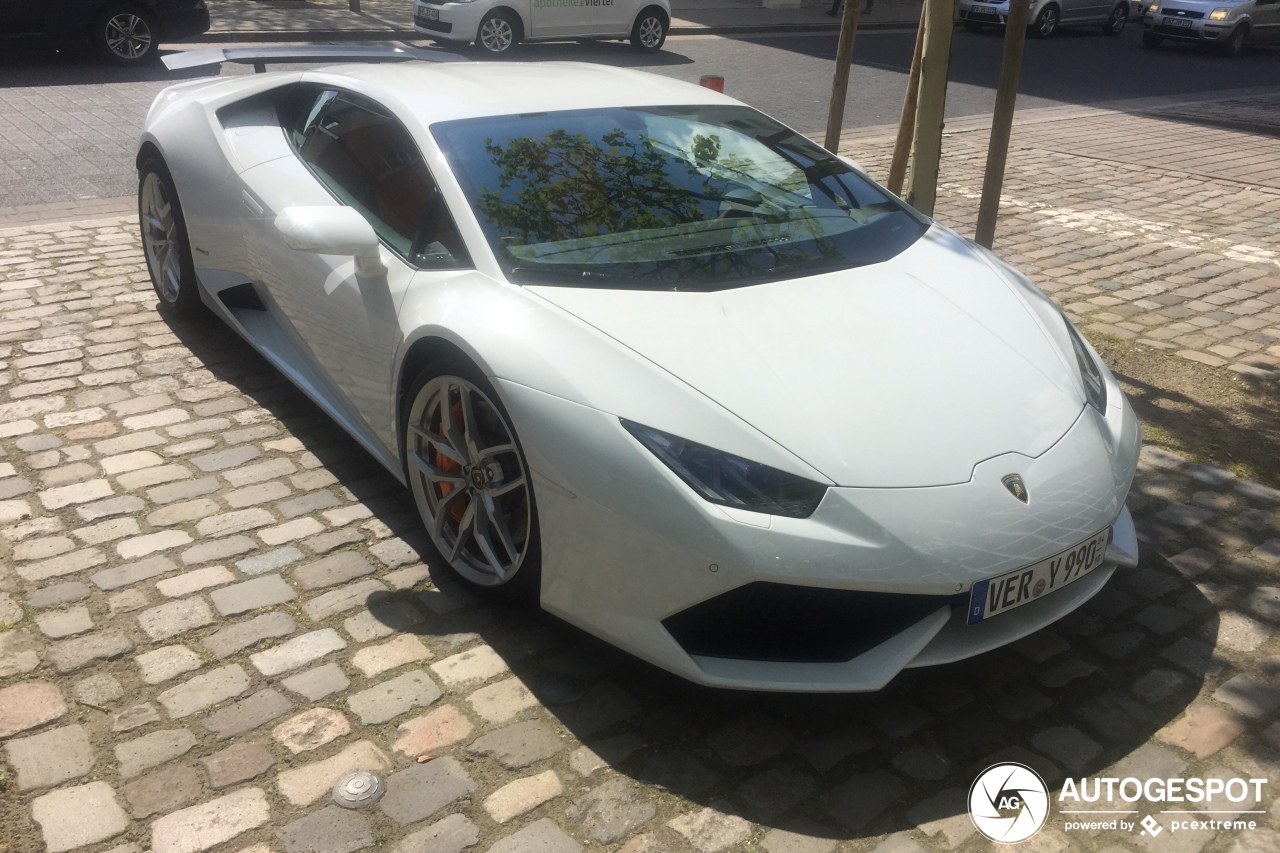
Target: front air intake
(798, 624)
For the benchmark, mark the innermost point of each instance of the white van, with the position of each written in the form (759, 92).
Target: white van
(496, 26)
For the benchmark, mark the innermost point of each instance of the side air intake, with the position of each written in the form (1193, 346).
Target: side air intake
(798, 624)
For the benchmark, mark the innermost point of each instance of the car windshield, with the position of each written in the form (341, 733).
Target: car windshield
(668, 198)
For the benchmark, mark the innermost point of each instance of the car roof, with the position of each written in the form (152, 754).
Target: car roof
(444, 91)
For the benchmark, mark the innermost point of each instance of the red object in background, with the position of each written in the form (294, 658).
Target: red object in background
(714, 82)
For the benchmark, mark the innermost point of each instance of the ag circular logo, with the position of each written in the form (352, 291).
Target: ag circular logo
(1009, 803)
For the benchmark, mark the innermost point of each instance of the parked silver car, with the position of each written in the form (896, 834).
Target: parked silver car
(1047, 15)
(1224, 24)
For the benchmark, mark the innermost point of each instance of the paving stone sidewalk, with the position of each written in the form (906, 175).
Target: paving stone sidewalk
(215, 604)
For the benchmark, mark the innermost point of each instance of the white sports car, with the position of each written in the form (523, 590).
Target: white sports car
(645, 354)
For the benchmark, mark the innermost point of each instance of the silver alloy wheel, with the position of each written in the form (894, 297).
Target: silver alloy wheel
(1048, 21)
(1119, 17)
(651, 32)
(160, 238)
(469, 480)
(496, 34)
(128, 36)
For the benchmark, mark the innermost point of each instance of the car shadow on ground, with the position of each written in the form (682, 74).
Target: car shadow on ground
(1070, 700)
(80, 66)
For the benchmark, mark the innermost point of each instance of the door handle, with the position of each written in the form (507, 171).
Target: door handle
(251, 203)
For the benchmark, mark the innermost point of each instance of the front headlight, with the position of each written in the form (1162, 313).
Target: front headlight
(1153, 8)
(1220, 14)
(1095, 387)
(729, 480)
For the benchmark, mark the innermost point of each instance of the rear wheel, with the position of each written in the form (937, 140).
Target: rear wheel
(126, 35)
(1119, 17)
(164, 241)
(1234, 45)
(649, 31)
(470, 481)
(499, 33)
(1151, 40)
(1046, 23)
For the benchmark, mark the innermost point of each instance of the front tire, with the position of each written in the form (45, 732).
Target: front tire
(471, 483)
(1119, 17)
(164, 241)
(1046, 23)
(126, 36)
(649, 31)
(1234, 45)
(499, 33)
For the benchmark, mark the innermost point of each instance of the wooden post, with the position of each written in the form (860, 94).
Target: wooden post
(902, 146)
(1015, 36)
(926, 153)
(840, 82)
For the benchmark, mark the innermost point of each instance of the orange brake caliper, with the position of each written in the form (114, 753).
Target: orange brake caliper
(448, 466)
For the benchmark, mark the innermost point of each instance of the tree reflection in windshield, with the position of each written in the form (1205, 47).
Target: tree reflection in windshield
(565, 186)
(649, 198)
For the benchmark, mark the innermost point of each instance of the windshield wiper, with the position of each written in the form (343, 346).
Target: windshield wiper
(580, 275)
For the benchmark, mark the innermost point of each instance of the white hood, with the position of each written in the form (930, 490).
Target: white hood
(901, 374)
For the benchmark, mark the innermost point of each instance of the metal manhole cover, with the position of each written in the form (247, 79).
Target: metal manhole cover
(359, 789)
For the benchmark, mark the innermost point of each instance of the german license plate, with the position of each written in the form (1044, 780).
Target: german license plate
(982, 10)
(429, 14)
(1007, 592)
(1177, 22)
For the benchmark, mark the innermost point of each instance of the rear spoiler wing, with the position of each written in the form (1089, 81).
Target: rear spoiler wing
(258, 57)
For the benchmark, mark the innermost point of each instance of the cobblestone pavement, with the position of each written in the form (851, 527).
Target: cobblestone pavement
(1181, 254)
(215, 604)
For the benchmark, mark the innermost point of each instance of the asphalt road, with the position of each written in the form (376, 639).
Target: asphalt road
(68, 127)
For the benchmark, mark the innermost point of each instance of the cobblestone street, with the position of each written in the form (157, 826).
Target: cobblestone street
(214, 604)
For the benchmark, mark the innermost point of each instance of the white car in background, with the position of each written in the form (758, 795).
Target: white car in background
(497, 26)
(654, 360)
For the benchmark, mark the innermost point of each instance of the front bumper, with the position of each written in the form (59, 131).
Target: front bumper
(994, 14)
(455, 22)
(627, 545)
(1189, 30)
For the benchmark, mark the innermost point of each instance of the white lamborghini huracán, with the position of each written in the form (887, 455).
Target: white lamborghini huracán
(652, 358)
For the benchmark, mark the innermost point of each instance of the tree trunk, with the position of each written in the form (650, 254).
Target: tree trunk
(840, 82)
(902, 146)
(1015, 36)
(927, 144)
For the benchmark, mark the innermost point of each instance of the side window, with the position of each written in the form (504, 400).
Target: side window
(370, 162)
